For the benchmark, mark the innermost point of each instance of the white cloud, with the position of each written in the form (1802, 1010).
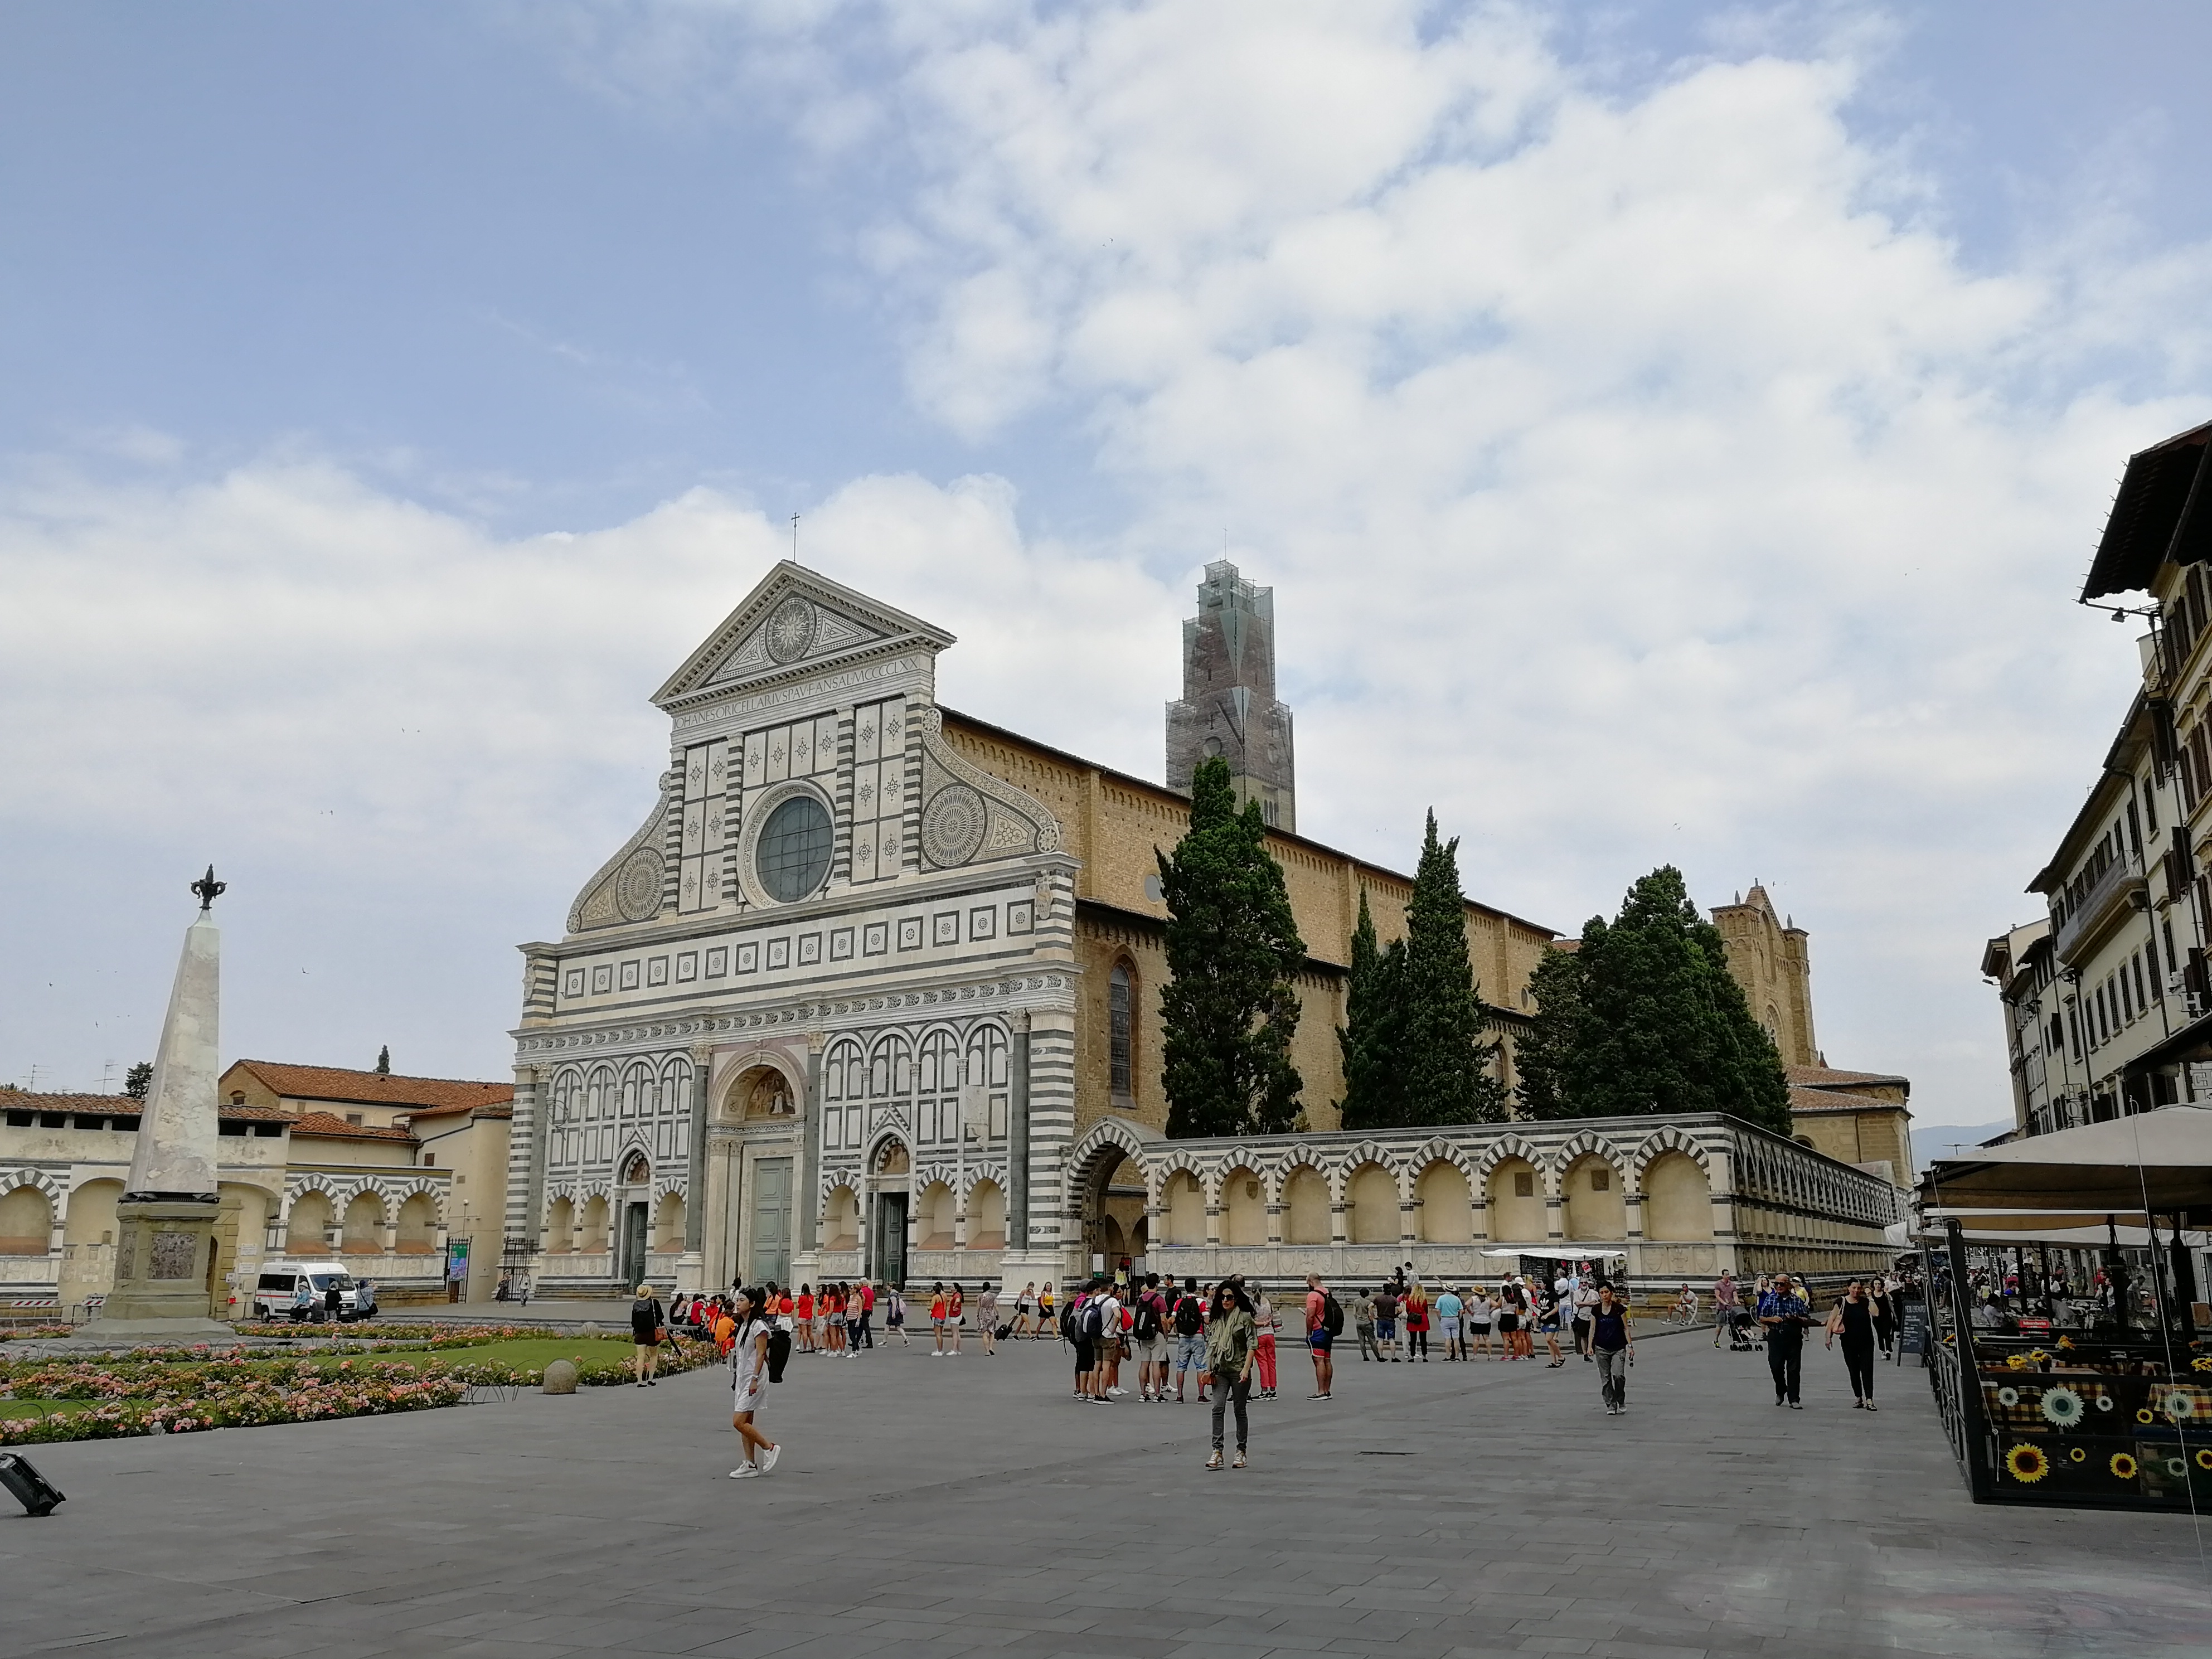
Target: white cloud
(1643, 472)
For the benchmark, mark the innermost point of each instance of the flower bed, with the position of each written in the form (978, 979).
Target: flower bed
(174, 1390)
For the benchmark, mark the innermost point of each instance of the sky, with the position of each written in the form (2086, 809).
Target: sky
(1673, 433)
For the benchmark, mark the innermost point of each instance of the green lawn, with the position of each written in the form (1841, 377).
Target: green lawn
(9, 1408)
(528, 1353)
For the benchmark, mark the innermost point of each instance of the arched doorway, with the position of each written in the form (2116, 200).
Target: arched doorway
(890, 1179)
(1111, 1195)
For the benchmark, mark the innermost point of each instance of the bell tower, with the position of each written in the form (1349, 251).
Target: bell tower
(1228, 706)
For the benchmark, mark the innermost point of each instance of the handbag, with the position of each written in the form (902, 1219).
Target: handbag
(660, 1333)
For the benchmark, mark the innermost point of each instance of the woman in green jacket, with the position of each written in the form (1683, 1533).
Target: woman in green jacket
(1233, 1337)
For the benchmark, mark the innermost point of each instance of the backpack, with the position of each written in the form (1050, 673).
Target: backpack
(1332, 1314)
(778, 1351)
(1068, 1331)
(1094, 1322)
(1148, 1318)
(1188, 1319)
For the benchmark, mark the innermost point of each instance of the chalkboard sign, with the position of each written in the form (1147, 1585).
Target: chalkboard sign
(1912, 1331)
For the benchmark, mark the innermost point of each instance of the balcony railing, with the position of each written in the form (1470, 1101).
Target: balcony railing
(2116, 887)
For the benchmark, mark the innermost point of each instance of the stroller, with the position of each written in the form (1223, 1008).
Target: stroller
(1746, 1334)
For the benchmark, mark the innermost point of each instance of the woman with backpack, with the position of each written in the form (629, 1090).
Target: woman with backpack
(749, 1382)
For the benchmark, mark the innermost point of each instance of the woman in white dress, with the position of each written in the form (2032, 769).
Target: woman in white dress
(748, 1386)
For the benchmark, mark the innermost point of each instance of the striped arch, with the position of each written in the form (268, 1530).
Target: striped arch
(57, 1192)
(1083, 1158)
(1582, 1144)
(1658, 1144)
(597, 1187)
(993, 1173)
(1436, 1150)
(560, 1189)
(665, 1186)
(297, 1187)
(1507, 1147)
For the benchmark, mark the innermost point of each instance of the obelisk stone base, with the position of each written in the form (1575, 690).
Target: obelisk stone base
(164, 1254)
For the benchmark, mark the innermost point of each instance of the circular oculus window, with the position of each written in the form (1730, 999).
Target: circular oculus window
(791, 857)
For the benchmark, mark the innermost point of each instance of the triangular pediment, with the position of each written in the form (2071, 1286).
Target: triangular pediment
(796, 623)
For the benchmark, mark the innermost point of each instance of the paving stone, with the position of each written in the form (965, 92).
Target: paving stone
(925, 1509)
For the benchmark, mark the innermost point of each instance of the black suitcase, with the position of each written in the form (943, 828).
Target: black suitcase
(32, 1489)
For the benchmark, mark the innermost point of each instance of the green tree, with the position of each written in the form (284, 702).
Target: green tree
(1229, 1008)
(1374, 1032)
(1663, 1026)
(1544, 1055)
(383, 1060)
(138, 1079)
(1446, 1066)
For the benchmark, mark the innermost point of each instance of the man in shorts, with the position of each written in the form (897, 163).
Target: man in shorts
(1109, 1343)
(1318, 1335)
(1189, 1318)
(1386, 1325)
(1363, 1325)
(1152, 1334)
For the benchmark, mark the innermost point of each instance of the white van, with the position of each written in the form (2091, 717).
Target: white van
(280, 1282)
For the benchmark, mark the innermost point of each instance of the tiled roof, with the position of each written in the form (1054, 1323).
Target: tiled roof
(416, 1094)
(1826, 1077)
(20, 1100)
(324, 1126)
(1802, 1101)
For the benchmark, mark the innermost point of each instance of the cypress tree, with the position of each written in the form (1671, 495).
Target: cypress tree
(1446, 1065)
(1231, 1008)
(1545, 1055)
(1374, 1031)
(1664, 1025)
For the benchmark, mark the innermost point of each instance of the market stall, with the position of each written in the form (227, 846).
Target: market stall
(2073, 1358)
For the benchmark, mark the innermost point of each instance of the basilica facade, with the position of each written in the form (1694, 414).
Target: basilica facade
(874, 990)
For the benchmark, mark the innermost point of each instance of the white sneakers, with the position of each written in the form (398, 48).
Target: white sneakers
(750, 1471)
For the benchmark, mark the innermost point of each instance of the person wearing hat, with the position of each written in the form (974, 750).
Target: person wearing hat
(1785, 1314)
(646, 1330)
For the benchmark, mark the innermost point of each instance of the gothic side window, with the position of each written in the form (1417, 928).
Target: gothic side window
(1120, 1000)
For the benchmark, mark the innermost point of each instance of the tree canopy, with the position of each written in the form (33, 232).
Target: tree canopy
(1644, 1017)
(1229, 1008)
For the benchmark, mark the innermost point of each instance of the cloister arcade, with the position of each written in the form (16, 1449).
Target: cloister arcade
(1681, 1198)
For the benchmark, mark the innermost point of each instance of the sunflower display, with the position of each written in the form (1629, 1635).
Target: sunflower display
(2036, 1356)
(2200, 1364)
(2017, 1361)
(2079, 1455)
(2179, 1404)
(2143, 1415)
(2176, 1468)
(2066, 1344)
(2061, 1408)
(2027, 1464)
(2123, 1466)
(2008, 1396)
(2204, 1460)
(2104, 1402)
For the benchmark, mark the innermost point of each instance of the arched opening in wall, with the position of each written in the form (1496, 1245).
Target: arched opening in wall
(418, 1225)
(1677, 1200)
(1243, 1208)
(1305, 1206)
(1447, 1211)
(841, 1220)
(90, 1218)
(591, 1232)
(987, 1217)
(1592, 1204)
(27, 1222)
(307, 1230)
(364, 1225)
(668, 1224)
(560, 1227)
(1516, 1203)
(1370, 1199)
(636, 1172)
(1113, 1209)
(938, 1210)
(1184, 1201)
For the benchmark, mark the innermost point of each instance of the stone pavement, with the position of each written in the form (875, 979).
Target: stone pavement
(944, 1507)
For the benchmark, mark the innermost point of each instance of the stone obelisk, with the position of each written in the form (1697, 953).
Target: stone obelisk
(166, 1218)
